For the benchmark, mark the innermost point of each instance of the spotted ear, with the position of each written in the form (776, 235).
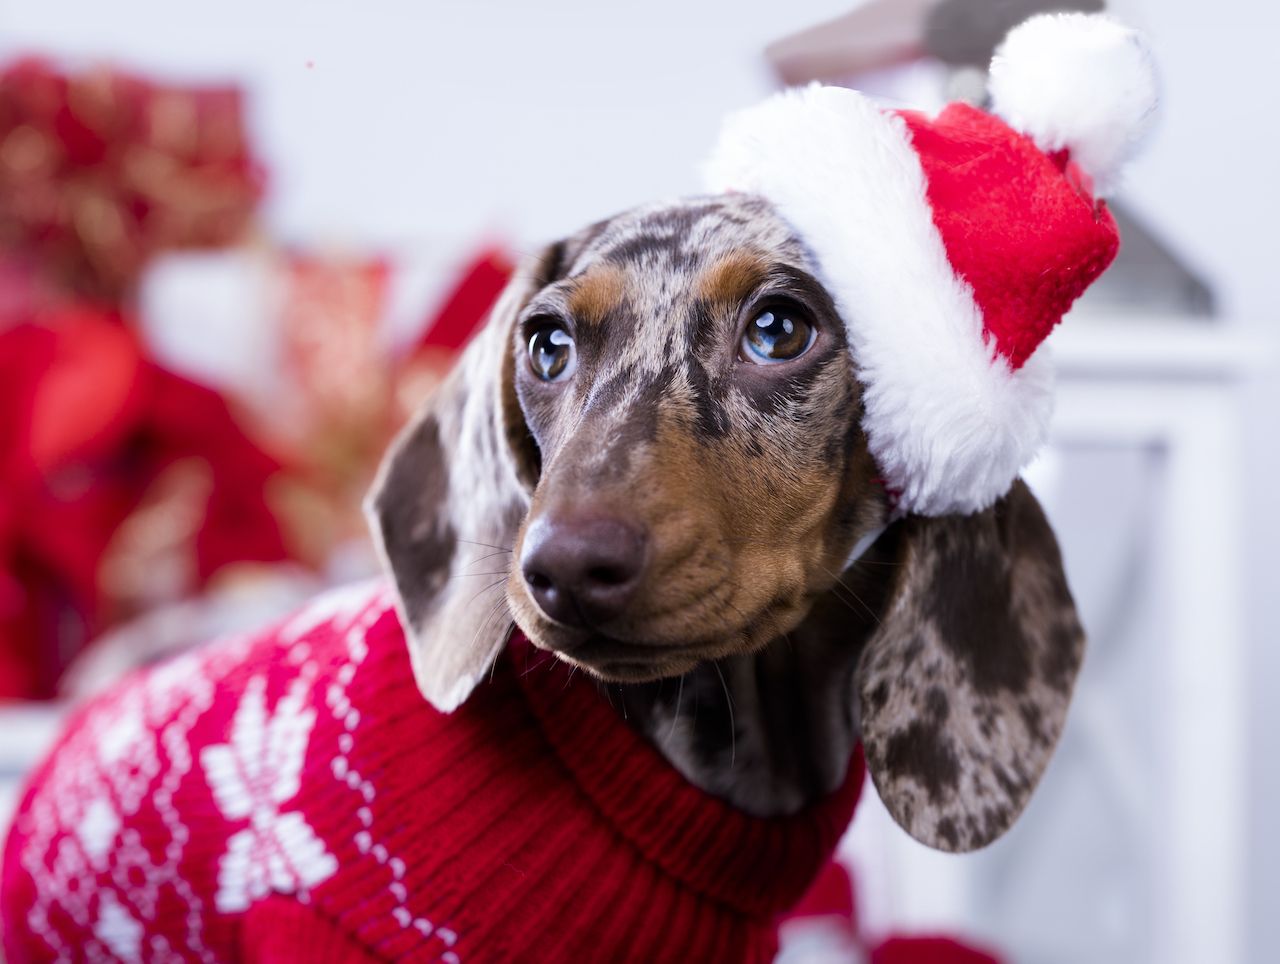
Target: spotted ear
(447, 502)
(964, 686)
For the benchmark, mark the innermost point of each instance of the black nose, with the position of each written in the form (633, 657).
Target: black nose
(583, 569)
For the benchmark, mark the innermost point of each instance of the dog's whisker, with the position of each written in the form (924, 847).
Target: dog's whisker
(487, 545)
(569, 679)
(729, 602)
(870, 612)
(494, 611)
(489, 555)
(676, 717)
(845, 603)
(733, 726)
(493, 663)
(536, 666)
(469, 575)
(849, 589)
(497, 610)
(488, 588)
(746, 620)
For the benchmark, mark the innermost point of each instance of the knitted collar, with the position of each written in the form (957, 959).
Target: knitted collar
(756, 866)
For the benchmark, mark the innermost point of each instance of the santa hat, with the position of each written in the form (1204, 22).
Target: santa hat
(953, 244)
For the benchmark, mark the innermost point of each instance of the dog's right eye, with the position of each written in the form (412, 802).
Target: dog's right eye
(552, 355)
(777, 335)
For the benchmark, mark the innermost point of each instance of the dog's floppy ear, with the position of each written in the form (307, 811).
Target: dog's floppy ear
(449, 498)
(963, 688)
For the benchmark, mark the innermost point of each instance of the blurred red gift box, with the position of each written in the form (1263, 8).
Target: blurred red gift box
(100, 170)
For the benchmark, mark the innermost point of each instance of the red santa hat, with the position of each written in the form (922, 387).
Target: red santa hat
(953, 244)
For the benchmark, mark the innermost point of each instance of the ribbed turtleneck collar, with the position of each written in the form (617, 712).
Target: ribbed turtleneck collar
(757, 866)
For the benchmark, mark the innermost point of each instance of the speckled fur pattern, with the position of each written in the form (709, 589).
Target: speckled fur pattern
(738, 476)
(750, 657)
(965, 686)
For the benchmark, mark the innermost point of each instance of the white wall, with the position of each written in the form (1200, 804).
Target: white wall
(1210, 185)
(399, 119)
(392, 120)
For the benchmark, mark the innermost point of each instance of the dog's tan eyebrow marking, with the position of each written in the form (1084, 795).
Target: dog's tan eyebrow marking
(732, 278)
(595, 294)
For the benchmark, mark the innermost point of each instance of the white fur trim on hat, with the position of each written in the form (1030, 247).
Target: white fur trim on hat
(949, 423)
(1081, 82)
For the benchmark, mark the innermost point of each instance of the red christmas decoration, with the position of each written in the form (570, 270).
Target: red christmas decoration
(93, 428)
(101, 170)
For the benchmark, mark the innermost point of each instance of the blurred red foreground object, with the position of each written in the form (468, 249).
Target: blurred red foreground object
(825, 927)
(93, 432)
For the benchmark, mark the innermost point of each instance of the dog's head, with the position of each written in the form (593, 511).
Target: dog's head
(652, 456)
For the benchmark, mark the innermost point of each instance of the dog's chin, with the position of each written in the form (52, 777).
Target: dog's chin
(618, 661)
(624, 661)
(633, 670)
(644, 660)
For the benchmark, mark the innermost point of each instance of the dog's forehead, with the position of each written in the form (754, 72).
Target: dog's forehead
(678, 239)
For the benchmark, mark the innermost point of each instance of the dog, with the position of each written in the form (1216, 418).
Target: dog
(679, 507)
(650, 461)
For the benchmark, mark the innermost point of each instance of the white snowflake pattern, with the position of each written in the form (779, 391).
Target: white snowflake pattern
(78, 824)
(254, 776)
(117, 928)
(97, 830)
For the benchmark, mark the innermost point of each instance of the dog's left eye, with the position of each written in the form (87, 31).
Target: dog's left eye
(776, 334)
(552, 354)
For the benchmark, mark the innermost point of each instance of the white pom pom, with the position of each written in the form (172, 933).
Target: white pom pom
(1081, 82)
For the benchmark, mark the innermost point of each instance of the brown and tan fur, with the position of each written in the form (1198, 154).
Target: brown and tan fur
(751, 656)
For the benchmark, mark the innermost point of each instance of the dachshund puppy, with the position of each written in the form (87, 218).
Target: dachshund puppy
(652, 461)
(661, 422)
(651, 489)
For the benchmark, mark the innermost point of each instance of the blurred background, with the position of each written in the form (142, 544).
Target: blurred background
(239, 242)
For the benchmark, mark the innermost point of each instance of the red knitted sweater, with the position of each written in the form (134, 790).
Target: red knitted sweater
(291, 797)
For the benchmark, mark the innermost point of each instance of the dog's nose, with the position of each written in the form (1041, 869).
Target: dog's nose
(583, 569)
